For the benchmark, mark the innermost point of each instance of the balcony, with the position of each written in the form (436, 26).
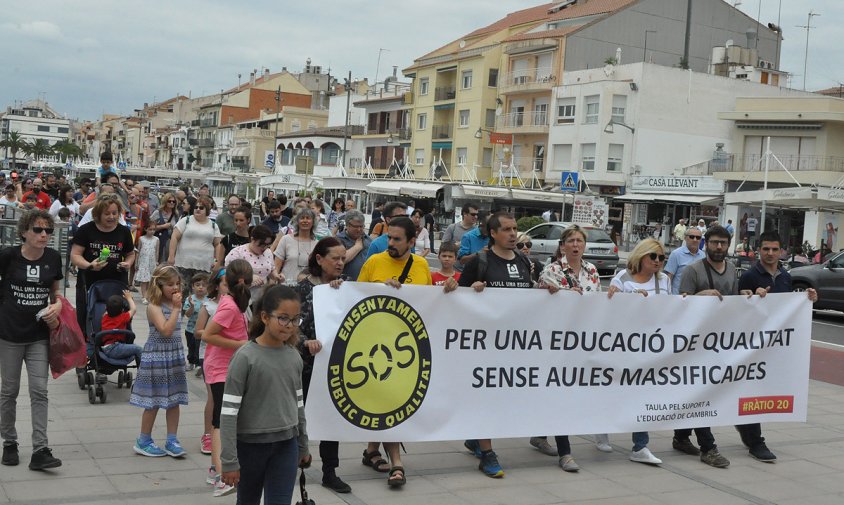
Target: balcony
(206, 123)
(206, 142)
(195, 122)
(528, 165)
(193, 142)
(523, 122)
(532, 79)
(441, 132)
(794, 163)
(403, 133)
(444, 93)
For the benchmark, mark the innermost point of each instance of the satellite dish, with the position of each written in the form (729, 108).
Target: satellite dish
(462, 44)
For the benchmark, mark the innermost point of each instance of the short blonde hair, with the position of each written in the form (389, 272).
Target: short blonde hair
(642, 249)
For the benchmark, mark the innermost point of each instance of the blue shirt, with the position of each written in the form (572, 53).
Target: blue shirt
(380, 244)
(679, 259)
(758, 277)
(352, 268)
(730, 229)
(472, 242)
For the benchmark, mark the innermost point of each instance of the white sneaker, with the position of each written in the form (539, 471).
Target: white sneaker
(222, 489)
(644, 455)
(211, 478)
(602, 443)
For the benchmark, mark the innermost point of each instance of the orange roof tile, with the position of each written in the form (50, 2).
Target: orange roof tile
(559, 32)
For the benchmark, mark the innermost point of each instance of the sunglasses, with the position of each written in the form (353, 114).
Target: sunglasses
(655, 257)
(473, 214)
(38, 230)
(694, 237)
(522, 245)
(200, 207)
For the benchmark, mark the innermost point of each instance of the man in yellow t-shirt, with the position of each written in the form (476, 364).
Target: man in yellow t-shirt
(394, 267)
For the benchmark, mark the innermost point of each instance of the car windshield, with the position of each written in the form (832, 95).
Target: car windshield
(599, 236)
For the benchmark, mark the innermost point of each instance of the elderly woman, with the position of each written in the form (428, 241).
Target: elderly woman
(644, 276)
(293, 251)
(31, 275)
(90, 241)
(193, 246)
(325, 266)
(257, 253)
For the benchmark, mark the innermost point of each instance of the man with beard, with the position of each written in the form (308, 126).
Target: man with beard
(394, 267)
(391, 211)
(51, 186)
(42, 199)
(711, 276)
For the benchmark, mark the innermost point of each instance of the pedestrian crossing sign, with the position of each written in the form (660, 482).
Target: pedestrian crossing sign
(569, 182)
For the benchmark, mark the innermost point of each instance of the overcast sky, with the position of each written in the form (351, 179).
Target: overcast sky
(90, 57)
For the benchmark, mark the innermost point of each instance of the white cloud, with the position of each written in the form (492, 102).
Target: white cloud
(43, 30)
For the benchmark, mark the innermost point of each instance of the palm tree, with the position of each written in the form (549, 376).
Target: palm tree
(14, 143)
(67, 149)
(38, 149)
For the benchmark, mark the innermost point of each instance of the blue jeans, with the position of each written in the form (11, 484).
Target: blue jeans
(640, 440)
(269, 469)
(121, 351)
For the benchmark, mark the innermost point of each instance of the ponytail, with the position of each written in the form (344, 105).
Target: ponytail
(239, 279)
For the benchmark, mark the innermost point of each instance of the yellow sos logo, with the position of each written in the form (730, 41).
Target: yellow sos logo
(380, 363)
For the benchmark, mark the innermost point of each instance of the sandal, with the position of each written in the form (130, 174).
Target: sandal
(375, 464)
(396, 482)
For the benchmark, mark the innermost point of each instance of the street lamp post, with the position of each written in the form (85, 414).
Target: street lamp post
(348, 104)
(275, 139)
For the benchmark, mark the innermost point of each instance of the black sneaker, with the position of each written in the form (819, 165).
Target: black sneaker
(10, 454)
(762, 453)
(43, 459)
(336, 484)
(685, 446)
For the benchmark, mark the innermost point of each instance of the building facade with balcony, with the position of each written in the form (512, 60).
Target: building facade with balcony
(386, 139)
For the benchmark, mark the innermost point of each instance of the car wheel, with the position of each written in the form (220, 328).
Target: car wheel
(799, 287)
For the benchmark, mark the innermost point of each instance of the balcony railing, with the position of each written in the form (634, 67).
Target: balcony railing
(195, 122)
(444, 93)
(526, 165)
(403, 133)
(206, 142)
(441, 132)
(535, 120)
(528, 79)
(204, 123)
(793, 163)
(193, 142)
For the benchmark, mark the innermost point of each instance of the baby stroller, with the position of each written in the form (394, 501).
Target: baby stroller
(100, 366)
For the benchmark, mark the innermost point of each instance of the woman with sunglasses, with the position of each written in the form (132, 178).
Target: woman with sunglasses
(525, 246)
(195, 242)
(257, 252)
(644, 276)
(165, 219)
(31, 275)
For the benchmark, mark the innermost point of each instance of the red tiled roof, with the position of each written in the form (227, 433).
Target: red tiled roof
(833, 91)
(559, 32)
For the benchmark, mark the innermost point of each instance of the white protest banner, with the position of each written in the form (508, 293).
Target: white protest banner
(415, 364)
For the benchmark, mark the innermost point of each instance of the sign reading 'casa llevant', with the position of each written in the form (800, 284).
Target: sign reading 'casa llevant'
(705, 185)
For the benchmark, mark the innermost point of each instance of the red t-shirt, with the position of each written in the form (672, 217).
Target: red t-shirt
(439, 279)
(120, 322)
(43, 201)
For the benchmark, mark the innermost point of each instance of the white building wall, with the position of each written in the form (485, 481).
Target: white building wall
(337, 111)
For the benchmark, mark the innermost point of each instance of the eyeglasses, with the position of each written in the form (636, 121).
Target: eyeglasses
(286, 320)
(694, 237)
(522, 245)
(171, 201)
(38, 230)
(200, 207)
(718, 243)
(657, 257)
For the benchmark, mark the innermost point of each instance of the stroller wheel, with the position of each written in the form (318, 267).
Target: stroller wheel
(89, 378)
(102, 394)
(92, 398)
(120, 378)
(80, 379)
(128, 380)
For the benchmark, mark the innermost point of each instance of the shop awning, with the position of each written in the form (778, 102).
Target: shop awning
(238, 152)
(389, 188)
(421, 189)
(485, 191)
(539, 196)
(353, 183)
(664, 198)
(798, 198)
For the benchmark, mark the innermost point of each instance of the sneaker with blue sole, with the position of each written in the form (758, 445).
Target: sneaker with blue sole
(174, 448)
(148, 449)
(474, 447)
(489, 465)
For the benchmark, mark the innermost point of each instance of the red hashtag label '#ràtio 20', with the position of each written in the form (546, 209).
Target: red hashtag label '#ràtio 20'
(765, 405)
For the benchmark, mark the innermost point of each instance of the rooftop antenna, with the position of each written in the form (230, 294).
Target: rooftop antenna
(808, 27)
(378, 66)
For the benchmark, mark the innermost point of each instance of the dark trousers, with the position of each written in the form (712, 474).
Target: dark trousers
(705, 438)
(751, 434)
(268, 469)
(192, 346)
(329, 450)
(563, 446)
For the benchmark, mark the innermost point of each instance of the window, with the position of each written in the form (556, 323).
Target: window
(466, 79)
(490, 118)
(462, 156)
(492, 81)
(540, 114)
(62, 129)
(423, 86)
(565, 111)
(487, 160)
(619, 104)
(421, 121)
(419, 157)
(587, 157)
(592, 109)
(614, 156)
(464, 118)
(562, 156)
(43, 128)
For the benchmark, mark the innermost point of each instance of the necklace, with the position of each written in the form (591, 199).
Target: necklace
(307, 254)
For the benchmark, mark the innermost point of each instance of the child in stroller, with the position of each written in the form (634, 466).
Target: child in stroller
(109, 350)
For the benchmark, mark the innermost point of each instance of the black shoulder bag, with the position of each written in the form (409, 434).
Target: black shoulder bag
(406, 271)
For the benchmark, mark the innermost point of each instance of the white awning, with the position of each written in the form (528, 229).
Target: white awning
(539, 196)
(664, 198)
(803, 197)
(349, 183)
(485, 191)
(238, 152)
(390, 188)
(421, 189)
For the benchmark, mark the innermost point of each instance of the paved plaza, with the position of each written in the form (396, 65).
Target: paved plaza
(95, 444)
